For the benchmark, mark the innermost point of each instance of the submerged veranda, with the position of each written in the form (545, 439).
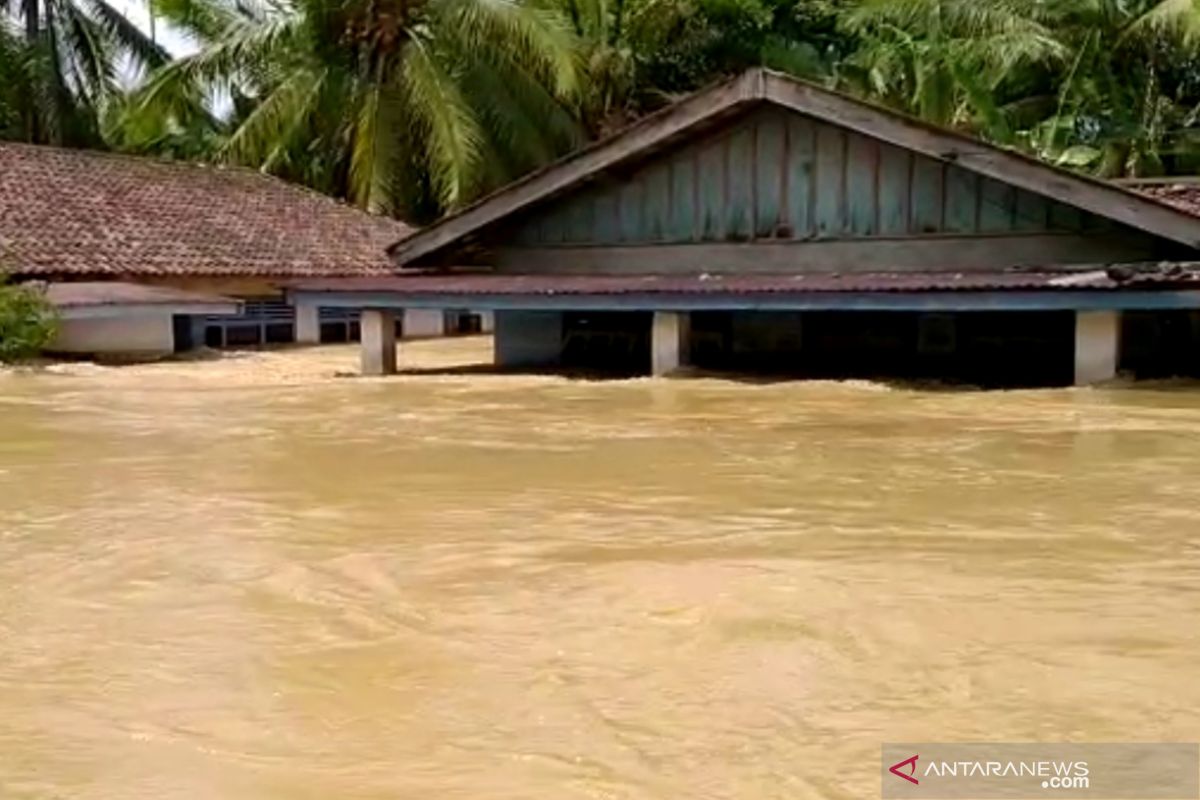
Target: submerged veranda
(767, 224)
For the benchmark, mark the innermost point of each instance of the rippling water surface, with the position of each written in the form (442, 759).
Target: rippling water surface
(249, 579)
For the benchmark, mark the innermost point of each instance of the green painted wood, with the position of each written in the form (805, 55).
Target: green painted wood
(657, 202)
(894, 168)
(556, 225)
(606, 221)
(926, 195)
(776, 176)
(1065, 218)
(862, 174)
(1096, 223)
(801, 175)
(579, 226)
(630, 211)
(962, 197)
(739, 200)
(529, 231)
(830, 181)
(997, 206)
(683, 227)
(769, 169)
(712, 191)
(1032, 212)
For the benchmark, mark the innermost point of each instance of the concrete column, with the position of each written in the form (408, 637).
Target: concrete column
(487, 322)
(1097, 346)
(528, 338)
(420, 323)
(199, 330)
(668, 342)
(378, 341)
(308, 324)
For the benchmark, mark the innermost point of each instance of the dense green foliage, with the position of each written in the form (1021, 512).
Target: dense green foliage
(59, 65)
(414, 107)
(400, 106)
(27, 322)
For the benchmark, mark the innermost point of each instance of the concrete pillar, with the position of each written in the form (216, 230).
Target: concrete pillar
(420, 323)
(528, 338)
(487, 322)
(199, 331)
(378, 342)
(668, 342)
(1097, 346)
(308, 324)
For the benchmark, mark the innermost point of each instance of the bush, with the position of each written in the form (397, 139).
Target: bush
(27, 322)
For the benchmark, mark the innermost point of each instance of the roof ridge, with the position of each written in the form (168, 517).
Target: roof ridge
(92, 152)
(67, 212)
(205, 166)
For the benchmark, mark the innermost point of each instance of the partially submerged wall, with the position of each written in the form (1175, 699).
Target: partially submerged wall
(134, 336)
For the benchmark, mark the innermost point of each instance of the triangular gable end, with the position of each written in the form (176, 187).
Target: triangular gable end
(766, 158)
(777, 175)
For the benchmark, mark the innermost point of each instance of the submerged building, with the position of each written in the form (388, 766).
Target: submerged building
(771, 225)
(145, 256)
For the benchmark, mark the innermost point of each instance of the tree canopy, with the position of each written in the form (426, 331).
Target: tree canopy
(28, 322)
(415, 107)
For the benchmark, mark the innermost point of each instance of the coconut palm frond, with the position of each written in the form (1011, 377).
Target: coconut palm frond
(267, 128)
(1176, 19)
(204, 20)
(535, 37)
(453, 137)
(127, 36)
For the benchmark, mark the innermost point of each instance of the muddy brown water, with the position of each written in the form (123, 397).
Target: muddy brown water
(248, 578)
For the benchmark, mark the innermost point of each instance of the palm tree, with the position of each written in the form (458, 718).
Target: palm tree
(640, 54)
(1128, 98)
(949, 61)
(407, 107)
(1103, 85)
(60, 64)
(11, 79)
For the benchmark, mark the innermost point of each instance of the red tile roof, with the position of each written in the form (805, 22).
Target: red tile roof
(1184, 195)
(73, 212)
(495, 284)
(92, 294)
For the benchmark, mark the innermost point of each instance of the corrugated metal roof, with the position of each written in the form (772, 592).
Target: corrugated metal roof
(510, 285)
(1182, 194)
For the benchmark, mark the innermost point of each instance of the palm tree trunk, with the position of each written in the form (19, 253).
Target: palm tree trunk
(32, 10)
(32, 19)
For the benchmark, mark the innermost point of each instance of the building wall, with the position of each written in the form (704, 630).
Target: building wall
(267, 318)
(825, 198)
(777, 175)
(140, 335)
(229, 287)
(422, 323)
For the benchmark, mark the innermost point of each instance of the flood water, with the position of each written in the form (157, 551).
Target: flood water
(251, 579)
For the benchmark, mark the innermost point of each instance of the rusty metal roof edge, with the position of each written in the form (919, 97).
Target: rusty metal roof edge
(692, 284)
